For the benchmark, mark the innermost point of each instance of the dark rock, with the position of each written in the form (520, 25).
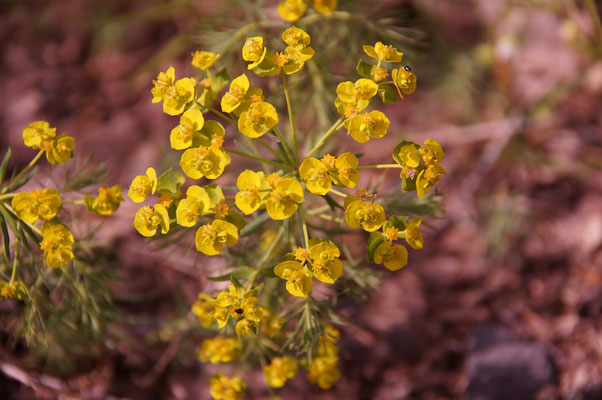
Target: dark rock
(511, 370)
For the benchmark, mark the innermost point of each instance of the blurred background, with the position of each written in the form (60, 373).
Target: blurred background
(505, 299)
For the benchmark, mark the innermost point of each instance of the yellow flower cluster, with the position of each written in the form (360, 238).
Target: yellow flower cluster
(13, 290)
(176, 95)
(416, 175)
(57, 244)
(219, 350)
(319, 175)
(323, 368)
(43, 204)
(320, 261)
(242, 306)
(107, 201)
(280, 370)
(292, 10)
(223, 387)
(266, 63)
(39, 135)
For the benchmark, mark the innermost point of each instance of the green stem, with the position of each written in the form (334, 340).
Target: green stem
(7, 196)
(265, 258)
(593, 11)
(256, 158)
(15, 264)
(341, 194)
(20, 174)
(336, 126)
(290, 115)
(379, 166)
(33, 228)
(224, 116)
(286, 148)
(270, 148)
(301, 213)
(318, 210)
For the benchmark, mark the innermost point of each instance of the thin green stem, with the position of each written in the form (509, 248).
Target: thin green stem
(286, 148)
(335, 127)
(256, 158)
(593, 11)
(341, 194)
(318, 210)
(224, 116)
(20, 174)
(7, 196)
(304, 227)
(379, 166)
(290, 115)
(265, 257)
(269, 148)
(15, 263)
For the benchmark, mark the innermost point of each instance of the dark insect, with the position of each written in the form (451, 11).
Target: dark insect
(238, 310)
(407, 68)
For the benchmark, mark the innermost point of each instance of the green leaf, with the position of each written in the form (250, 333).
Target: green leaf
(387, 94)
(365, 69)
(5, 237)
(22, 181)
(332, 203)
(287, 230)
(241, 273)
(408, 184)
(170, 182)
(235, 282)
(398, 147)
(219, 81)
(216, 195)
(398, 222)
(268, 272)
(206, 100)
(236, 219)
(4, 166)
(375, 240)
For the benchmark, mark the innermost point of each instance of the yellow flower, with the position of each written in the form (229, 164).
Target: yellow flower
(234, 303)
(260, 118)
(363, 127)
(324, 372)
(325, 7)
(369, 216)
(284, 199)
(346, 165)
(107, 201)
(315, 174)
(204, 310)
(409, 156)
(211, 238)
(219, 349)
(196, 203)
(59, 150)
(404, 79)
(279, 370)
(143, 185)
(43, 204)
(179, 96)
(253, 190)
(298, 50)
(431, 152)
(163, 84)
(413, 234)
(325, 263)
(356, 95)
(203, 59)
(191, 123)
(296, 38)
(13, 290)
(56, 244)
(204, 161)
(383, 53)
(222, 387)
(298, 282)
(393, 256)
(427, 178)
(391, 233)
(254, 51)
(235, 94)
(37, 134)
(292, 10)
(147, 220)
